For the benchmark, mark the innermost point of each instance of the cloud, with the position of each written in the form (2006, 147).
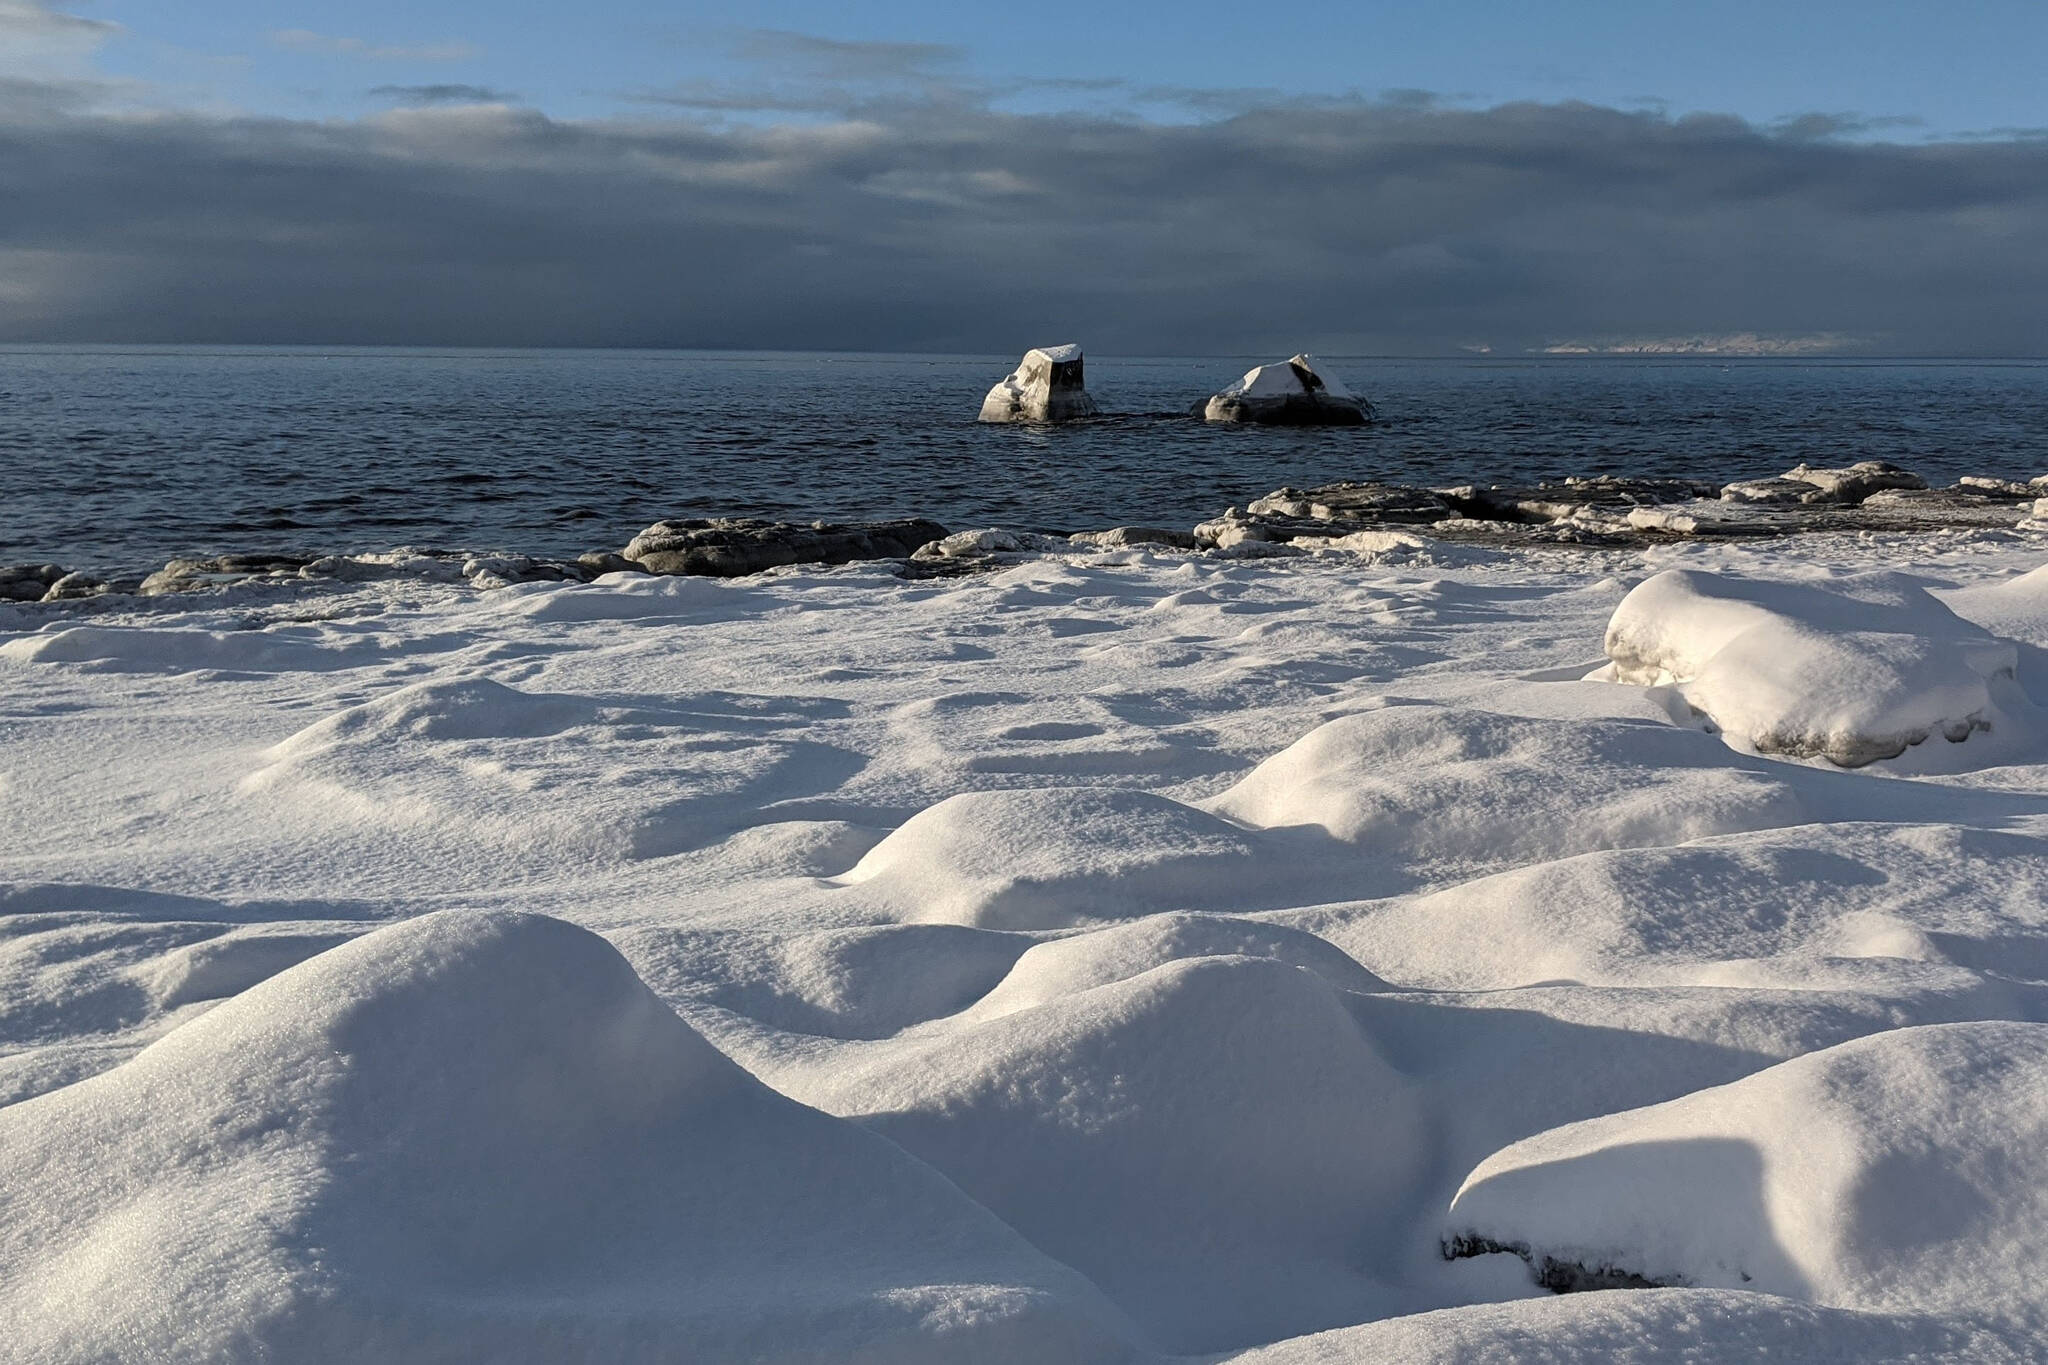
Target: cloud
(1346, 225)
(442, 94)
(305, 40)
(807, 54)
(38, 43)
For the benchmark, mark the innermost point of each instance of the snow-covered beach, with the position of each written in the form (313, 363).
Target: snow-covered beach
(1120, 955)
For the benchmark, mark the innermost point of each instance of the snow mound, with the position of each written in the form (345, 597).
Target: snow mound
(481, 1135)
(1069, 966)
(1047, 386)
(1052, 859)
(1856, 672)
(1904, 1172)
(1296, 392)
(1216, 1143)
(1443, 787)
(444, 709)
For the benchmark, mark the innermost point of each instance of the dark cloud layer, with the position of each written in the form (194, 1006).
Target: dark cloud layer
(442, 93)
(1399, 225)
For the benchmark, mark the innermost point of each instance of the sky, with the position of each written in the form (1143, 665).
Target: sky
(908, 175)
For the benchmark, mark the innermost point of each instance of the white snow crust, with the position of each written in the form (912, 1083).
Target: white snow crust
(1120, 955)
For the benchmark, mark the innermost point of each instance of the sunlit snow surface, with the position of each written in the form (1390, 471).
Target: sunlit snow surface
(1115, 957)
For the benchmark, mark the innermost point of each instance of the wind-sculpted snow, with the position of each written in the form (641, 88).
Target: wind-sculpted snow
(1105, 955)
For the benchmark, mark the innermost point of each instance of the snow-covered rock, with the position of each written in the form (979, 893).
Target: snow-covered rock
(1906, 1172)
(1048, 385)
(1294, 392)
(1855, 672)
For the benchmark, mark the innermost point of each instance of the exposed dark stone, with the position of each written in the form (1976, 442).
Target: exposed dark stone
(600, 562)
(27, 582)
(727, 547)
(1559, 1277)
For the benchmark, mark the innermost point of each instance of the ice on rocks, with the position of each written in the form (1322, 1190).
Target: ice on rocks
(1296, 392)
(1853, 672)
(1048, 385)
(1809, 484)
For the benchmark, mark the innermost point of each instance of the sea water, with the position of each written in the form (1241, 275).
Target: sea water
(118, 458)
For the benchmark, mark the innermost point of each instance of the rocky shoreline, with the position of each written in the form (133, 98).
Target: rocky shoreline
(1367, 517)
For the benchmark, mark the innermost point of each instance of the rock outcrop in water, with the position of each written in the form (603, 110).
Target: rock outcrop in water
(1295, 393)
(1621, 511)
(727, 547)
(1048, 385)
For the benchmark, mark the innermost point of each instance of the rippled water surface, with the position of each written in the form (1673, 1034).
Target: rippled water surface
(118, 457)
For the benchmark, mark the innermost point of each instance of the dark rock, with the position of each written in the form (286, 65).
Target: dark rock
(727, 547)
(601, 562)
(27, 582)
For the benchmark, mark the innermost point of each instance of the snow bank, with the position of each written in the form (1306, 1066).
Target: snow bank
(1854, 672)
(1903, 1172)
(1296, 392)
(482, 1135)
(1047, 386)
